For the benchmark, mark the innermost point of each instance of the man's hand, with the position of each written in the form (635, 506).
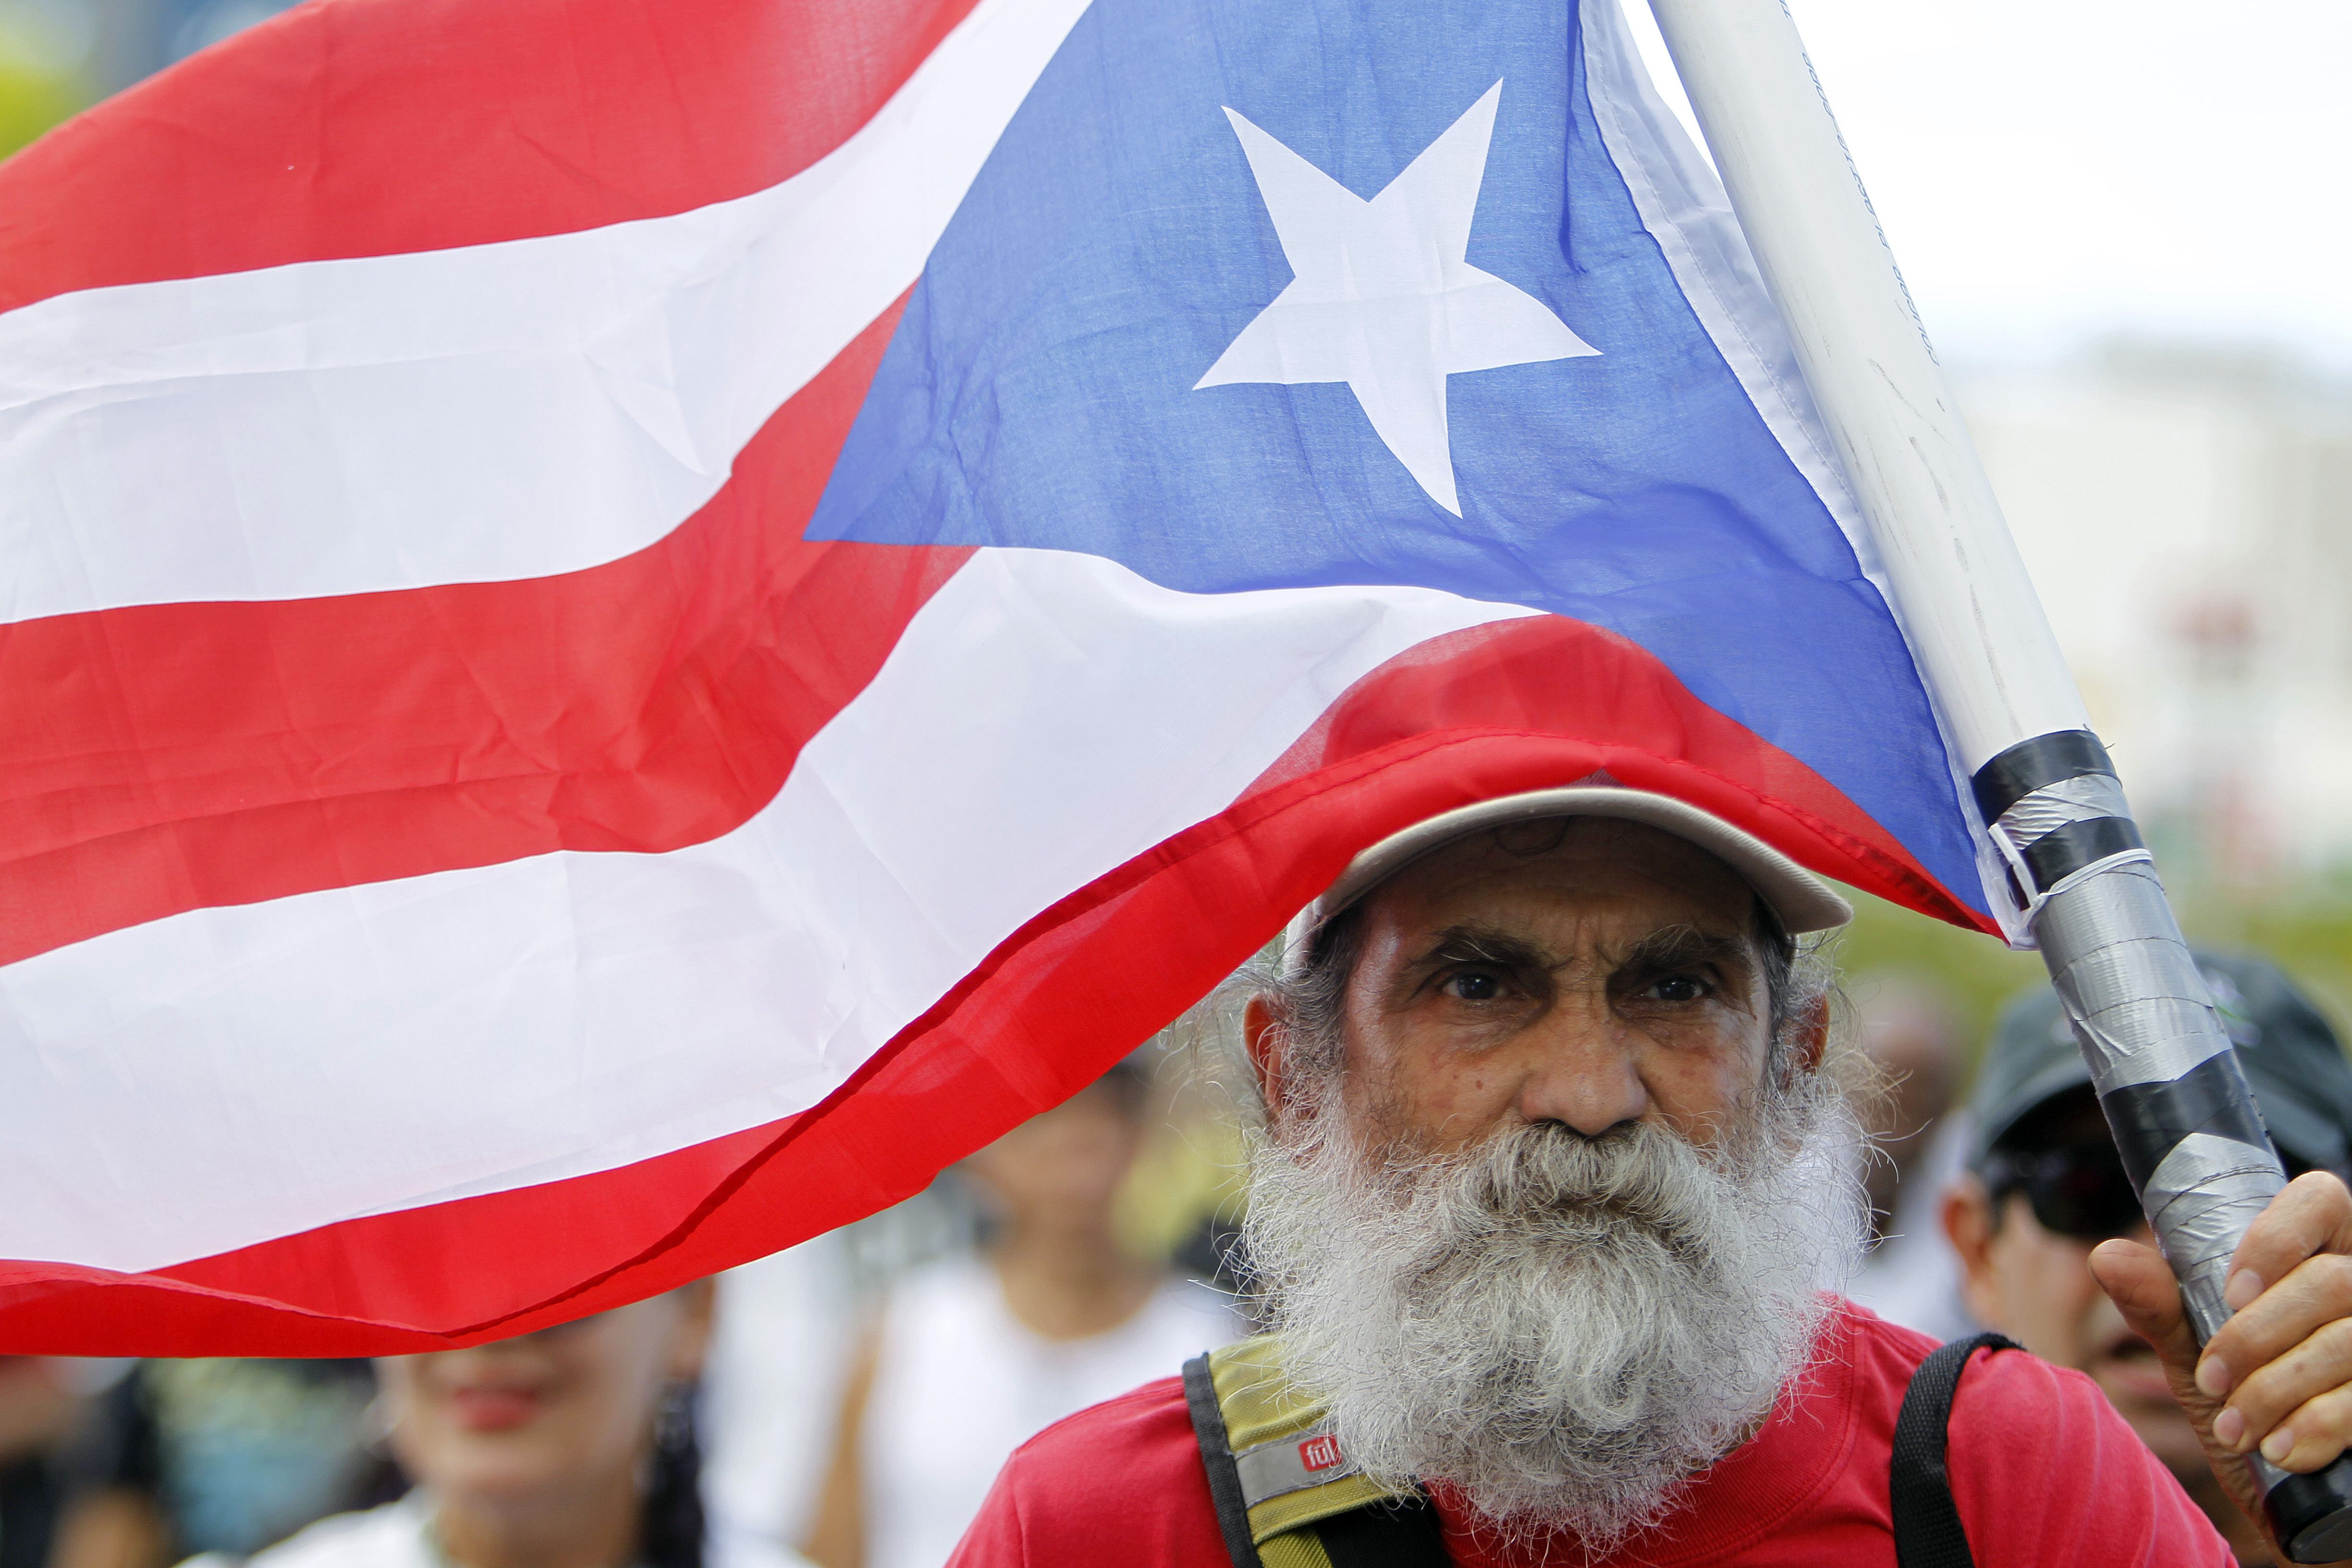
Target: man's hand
(2278, 1377)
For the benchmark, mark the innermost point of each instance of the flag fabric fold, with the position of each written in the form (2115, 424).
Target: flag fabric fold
(626, 629)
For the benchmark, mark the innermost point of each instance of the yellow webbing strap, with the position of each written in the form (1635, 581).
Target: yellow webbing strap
(1294, 1549)
(1280, 1442)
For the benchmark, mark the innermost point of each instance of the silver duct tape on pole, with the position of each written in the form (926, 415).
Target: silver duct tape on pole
(2184, 1119)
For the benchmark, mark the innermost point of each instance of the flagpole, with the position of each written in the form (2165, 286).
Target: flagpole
(2183, 1118)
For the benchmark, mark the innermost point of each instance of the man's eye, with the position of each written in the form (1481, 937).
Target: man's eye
(1474, 986)
(1677, 988)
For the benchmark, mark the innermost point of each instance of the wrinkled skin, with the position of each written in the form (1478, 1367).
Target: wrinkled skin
(1610, 978)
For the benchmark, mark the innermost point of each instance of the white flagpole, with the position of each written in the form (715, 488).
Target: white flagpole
(2183, 1118)
(1960, 589)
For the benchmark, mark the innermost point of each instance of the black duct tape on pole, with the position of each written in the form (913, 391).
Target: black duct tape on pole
(2035, 764)
(2185, 1123)
(2210, 1100)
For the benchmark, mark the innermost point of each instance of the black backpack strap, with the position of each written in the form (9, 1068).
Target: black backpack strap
(1217, 1460)
(1402, 1534)
(1927, 1530)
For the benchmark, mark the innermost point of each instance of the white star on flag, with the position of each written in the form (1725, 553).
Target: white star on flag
(1380, 297)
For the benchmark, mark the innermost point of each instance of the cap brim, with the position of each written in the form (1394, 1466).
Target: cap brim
(1800, 901)
(2063, 1073)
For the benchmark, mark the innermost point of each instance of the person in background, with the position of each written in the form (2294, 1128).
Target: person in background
(571, 1447)
(216, 1454)
(2045, 1185)
(772, 1388)
(974, 1356)
(41, 1409)
(1911, 1034)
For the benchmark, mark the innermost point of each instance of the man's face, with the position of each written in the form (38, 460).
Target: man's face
(1528, 1222)
(1589, 973)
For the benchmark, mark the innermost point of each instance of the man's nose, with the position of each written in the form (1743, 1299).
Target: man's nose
(1582, 1070)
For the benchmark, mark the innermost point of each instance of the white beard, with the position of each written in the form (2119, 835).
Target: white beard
(1562, 1329)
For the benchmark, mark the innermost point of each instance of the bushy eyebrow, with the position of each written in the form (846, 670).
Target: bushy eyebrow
(1672, 948)
(1686, 947)
(1482, 944)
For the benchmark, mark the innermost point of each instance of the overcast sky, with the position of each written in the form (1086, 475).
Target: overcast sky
(2049, 168)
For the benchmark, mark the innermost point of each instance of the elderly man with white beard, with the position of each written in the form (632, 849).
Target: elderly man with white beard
(1547, 1201)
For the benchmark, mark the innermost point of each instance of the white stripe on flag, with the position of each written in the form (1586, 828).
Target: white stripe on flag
(227, 1076)
(478, 415)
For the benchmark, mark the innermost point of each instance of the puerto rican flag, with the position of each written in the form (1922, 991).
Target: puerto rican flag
(628, 627)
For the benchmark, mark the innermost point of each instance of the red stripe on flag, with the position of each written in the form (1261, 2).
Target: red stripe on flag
(1484, 712)
(171, 757)
(375, 127)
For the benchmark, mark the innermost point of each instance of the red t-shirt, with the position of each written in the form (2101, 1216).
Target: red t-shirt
(2042, 1469)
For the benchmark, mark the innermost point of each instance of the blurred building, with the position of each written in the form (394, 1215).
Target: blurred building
(2187, 513)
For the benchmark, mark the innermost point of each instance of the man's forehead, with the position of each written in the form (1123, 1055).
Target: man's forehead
(1595, 871)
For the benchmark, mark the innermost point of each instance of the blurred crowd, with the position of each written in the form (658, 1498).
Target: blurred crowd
(848, 1402)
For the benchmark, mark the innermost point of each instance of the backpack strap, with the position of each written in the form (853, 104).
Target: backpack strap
(1928, 1528)
(1217, 1460)
(1284, 1494)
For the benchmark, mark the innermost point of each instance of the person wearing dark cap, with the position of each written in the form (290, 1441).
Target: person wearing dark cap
(2045, 1185)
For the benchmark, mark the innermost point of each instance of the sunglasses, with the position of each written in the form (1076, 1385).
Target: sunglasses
(2080, 1191)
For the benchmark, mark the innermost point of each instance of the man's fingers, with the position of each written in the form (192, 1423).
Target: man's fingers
(2312, 1214)
(2277, 1377)
(2313, 1435)
(2266, 1403)
(2140, 1283)
(2314, 1298)
(2281, 1293)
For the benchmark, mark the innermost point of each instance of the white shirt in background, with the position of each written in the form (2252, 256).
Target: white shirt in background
(771, 1389)
(398, 1536)
(960, 1383)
